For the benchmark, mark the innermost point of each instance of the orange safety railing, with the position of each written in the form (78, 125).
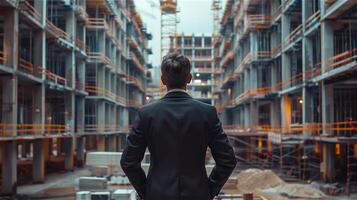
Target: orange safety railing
(51, 76)
(259, 21)
(263, 54)
(314, 18)
(276, 50)
(100, 56)
(227, 58)
(26, 65)
(32, 129)
(136, 82)
(203, 69)
(59, 33)
(134, 103)
(98, 23)
(202, 57)
(341, 59)
(338, 129)
(137, 62)
(293, 35)
(81, 45)
(27, 8)
(243, 63)
(276, 13)
(3, 58)
(102, 127)
(80, 85)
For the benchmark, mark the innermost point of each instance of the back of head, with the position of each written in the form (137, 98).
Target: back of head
(175, 70)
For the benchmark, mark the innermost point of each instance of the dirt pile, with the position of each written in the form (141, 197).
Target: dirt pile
(252, 179)
(296, 191)
(266, 183)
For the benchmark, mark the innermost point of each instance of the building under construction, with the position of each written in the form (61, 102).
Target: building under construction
(198, 48)
(289, 87)
(72, 75)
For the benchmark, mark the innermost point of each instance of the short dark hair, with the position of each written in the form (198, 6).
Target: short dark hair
(175, 67)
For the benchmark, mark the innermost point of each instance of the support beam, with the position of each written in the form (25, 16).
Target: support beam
(81, 141)
(328, 164)
(9, 168)
(38, 161)
(68, 153)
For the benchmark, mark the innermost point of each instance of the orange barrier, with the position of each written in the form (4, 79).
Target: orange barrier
(293, 35)
(57, 32)
(341, 59)
(54, 77)
(100, 56)
(312, 19)
(204, 69)
(27, 8)
(259, 21)
(3, 57)
(313, 127)
(227, 58)
(263, 54)
(26, 65)
(276, 13)
(136, 82)
(31, 129)
(81, 45)
(98, 23)
(137, 62)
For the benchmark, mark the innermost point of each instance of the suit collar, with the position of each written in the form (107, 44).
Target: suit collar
(177, 94)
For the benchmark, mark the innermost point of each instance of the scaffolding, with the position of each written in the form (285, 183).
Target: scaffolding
(169, 22)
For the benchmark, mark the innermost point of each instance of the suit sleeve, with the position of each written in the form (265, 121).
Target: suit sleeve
(133, 155)
(223, 155)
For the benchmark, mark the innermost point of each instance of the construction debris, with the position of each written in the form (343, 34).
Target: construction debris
(266, 183)
(92, 183)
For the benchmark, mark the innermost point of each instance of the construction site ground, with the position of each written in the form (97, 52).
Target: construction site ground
(265, 183)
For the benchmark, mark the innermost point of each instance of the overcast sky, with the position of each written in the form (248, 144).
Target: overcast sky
(195, 17)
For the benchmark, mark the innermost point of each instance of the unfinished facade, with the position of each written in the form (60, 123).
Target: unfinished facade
(198, 48)
(288, 96)
(72, 75)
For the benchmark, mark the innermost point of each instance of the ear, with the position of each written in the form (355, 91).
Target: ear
(163, 80)
(189, 78)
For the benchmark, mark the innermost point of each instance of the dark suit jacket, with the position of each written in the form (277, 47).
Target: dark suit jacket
(177, 130)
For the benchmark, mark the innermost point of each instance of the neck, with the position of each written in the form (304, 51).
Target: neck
(180, 88)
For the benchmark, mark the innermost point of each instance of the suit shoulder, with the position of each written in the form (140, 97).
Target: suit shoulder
(149, 107)
(204, 106)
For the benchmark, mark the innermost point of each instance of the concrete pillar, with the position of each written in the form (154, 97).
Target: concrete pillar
(254, 113)
(38, 110)
(275, 113)
(70, 111)
(247, 115)
(101, 116)
(40, 7)
(39, 55)
(328, 164)
(9, 168)
(81, 151)
(68, 153)
(38, 161)
(80, 114)
(327, 106)
(285, 31)
(70, 69)
(326, 43)
(285, 113)
(11, 32)
(307, 108)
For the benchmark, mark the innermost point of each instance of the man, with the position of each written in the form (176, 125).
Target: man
(177, 130)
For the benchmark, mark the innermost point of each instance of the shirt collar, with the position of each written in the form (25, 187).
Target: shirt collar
(176, 90)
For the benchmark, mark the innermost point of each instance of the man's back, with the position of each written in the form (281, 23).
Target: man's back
(177, 131)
